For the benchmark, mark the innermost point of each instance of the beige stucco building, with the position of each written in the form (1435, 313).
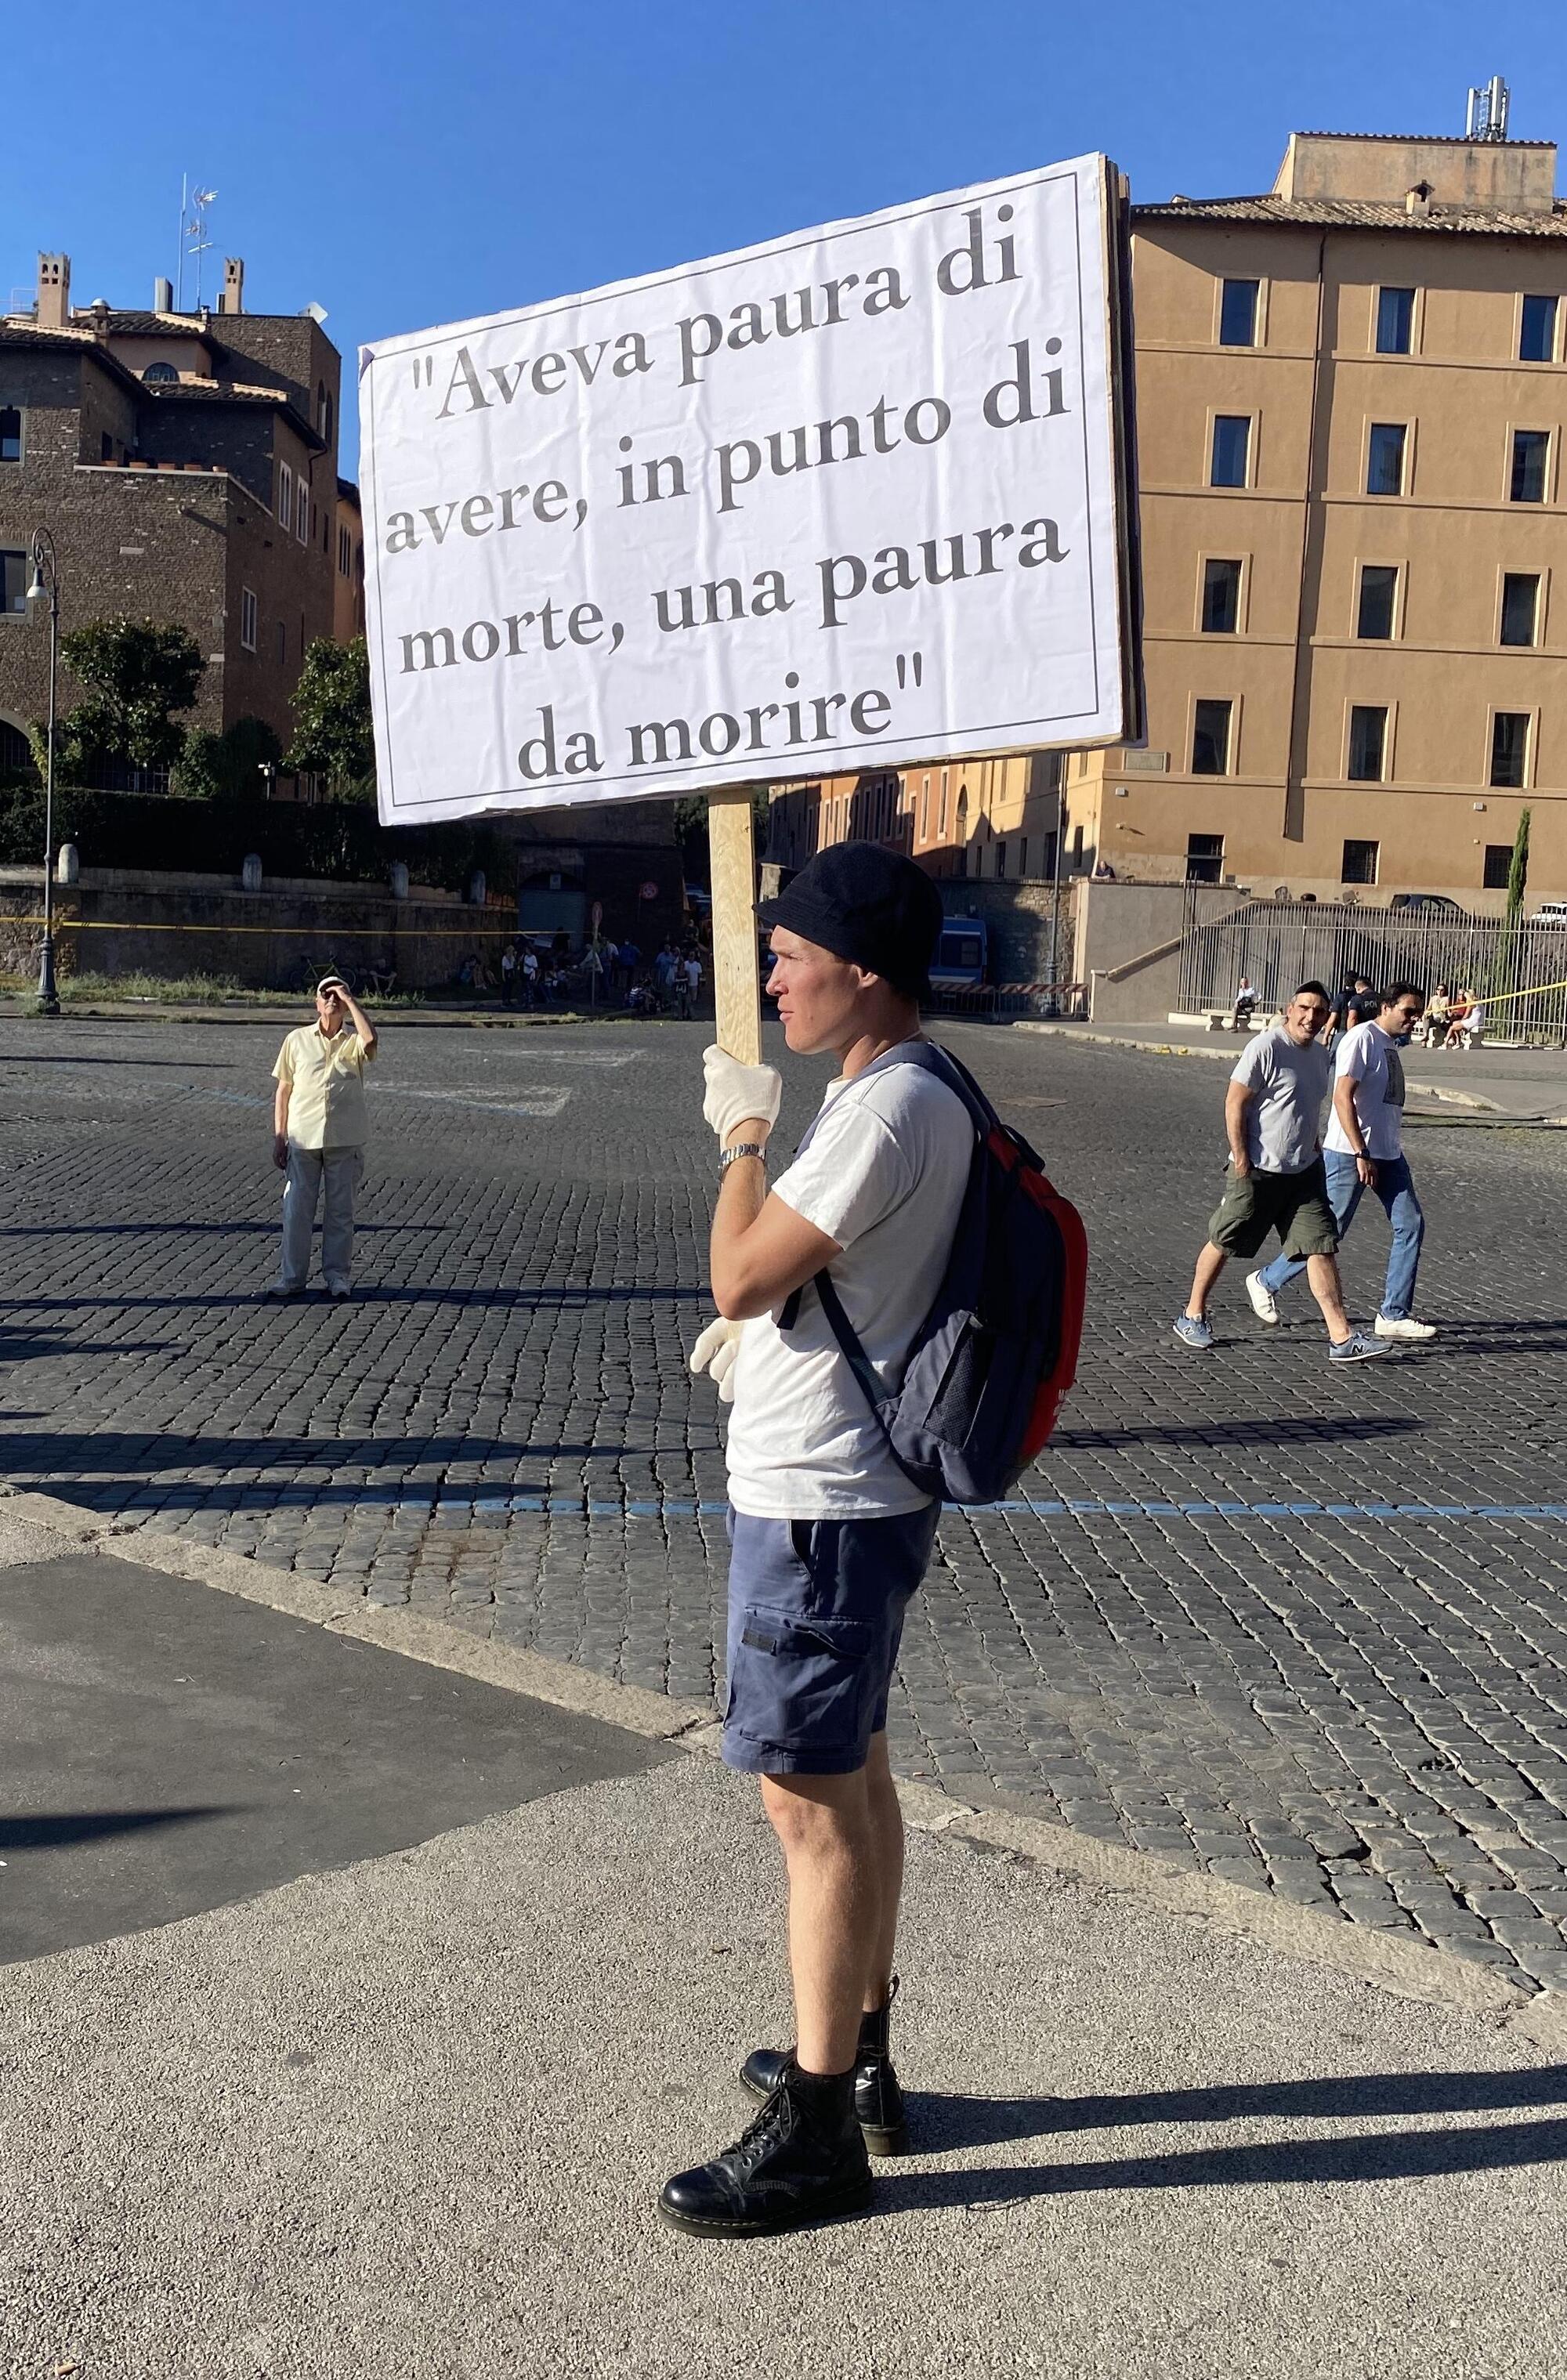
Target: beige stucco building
(1351, 407)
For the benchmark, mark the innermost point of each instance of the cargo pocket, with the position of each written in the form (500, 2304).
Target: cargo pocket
(800, 1689)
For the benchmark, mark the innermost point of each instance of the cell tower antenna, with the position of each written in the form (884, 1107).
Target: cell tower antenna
(193, 241)
(1488, 104)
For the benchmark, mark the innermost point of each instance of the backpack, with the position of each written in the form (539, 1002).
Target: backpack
(992, 1360)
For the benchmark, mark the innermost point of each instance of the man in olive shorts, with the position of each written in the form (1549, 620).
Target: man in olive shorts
(1276, 1180)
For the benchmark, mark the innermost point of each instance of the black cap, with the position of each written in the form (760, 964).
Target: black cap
(871, 907)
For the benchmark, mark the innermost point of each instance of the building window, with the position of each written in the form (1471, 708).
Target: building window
(1023, 857)
(1395, 320)
(160, 375)
(1519, 606)
(13, 581)
(248, 619)
(1509, 747)
(1498, 868)
(282, 642)
(105, 446)
(1359, 863)
(10, 433)
(285, 496)
(1531, 453)
(1205, 858)
(1384, 459)
(1220, 598)
(1537, 331)
(1210, 739)
(1378, 593)
(1001, 859)
(1368, 741)
(302, 513)
(345, 553)
(1237, 314)
(1232, 450)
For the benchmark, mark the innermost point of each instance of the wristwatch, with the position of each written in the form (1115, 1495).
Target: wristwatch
(741, 1148)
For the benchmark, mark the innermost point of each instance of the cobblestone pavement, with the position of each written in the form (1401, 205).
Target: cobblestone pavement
(1306, 1630)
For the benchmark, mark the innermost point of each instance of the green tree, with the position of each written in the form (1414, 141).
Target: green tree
(332, 736)
(228, 767)
(691, 831)
(136, 676)
(1518, 870)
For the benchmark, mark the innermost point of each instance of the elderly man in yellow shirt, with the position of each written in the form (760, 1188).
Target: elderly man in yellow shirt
(318, 1134)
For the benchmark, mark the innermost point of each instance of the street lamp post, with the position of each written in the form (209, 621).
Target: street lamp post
(44, 587)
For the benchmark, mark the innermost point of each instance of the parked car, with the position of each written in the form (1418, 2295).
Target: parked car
(1437, 902)
(1549, 913)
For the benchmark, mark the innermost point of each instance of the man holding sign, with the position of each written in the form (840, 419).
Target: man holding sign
(830, 1537)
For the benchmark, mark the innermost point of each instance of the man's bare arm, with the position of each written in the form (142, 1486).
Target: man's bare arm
(1237, 1099)
(760, 1249)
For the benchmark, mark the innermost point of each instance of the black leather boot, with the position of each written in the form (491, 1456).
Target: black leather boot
(879, 2101)
(802, 2160)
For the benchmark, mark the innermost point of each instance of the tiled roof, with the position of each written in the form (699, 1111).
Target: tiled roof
(130, 324)
(1423, 140)
(228, 392)
(348, 492)
(1360, 214)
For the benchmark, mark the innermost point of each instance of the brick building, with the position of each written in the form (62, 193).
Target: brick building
(186, 466)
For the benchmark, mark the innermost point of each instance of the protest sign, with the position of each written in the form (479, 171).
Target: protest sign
(854, 498)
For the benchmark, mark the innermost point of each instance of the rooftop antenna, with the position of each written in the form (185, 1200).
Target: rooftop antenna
(193, 241)
(1489, 104)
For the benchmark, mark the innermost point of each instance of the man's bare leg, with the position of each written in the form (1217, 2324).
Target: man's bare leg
(1210, 1264)
(1322, 1280)
(887, 1824)
(831, 1852)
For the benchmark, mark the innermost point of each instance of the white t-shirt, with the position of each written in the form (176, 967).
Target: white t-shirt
(1370, 1059)
(1283, 1122)
(885, 1176)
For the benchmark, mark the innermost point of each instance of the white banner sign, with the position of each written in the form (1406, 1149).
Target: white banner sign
(849, 500)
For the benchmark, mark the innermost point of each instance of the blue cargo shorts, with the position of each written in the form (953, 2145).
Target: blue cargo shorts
(815, 1614)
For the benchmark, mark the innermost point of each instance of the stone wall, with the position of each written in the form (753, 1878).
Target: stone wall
(115, 922)
(1018, 916)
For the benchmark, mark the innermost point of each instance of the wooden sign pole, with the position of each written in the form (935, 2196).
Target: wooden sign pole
(736, 981)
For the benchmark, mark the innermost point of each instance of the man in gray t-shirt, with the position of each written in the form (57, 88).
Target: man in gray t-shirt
(1273, 1120)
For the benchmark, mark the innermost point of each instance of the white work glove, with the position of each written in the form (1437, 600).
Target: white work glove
(736, 1092)
(715, 1354)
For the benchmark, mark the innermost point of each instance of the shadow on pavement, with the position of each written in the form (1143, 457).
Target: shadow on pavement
(42, 1828)
(1356, 2156)
(1261, 1429)
(941, 2123)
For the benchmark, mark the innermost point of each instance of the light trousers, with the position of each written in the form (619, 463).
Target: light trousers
(309, 1170)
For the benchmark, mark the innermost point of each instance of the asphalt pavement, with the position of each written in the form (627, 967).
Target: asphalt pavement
(410, 2114)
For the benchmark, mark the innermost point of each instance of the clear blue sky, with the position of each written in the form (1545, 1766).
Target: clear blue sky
(410, 164)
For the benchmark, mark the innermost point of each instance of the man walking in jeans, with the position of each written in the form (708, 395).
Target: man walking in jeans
(829, 1537)
(318, 1134)
(1273, 1119)
(1364, 1150)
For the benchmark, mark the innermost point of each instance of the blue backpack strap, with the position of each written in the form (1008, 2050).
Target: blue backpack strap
(930, 1059)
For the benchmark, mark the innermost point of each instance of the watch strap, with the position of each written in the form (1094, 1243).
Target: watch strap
(741, 1148)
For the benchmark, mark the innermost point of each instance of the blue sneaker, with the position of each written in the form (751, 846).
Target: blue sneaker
(1357, 1349)
(1192, 1334)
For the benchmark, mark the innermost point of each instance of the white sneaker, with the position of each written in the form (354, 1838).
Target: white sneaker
(1386, 1327)
(1262, 1300)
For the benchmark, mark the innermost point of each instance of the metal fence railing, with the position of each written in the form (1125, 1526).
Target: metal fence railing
(1520, 972)
(1000, 1002)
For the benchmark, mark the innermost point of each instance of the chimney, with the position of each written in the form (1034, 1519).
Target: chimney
(1417, 201)
(233, 299)
(54, 293)
(163, 294)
